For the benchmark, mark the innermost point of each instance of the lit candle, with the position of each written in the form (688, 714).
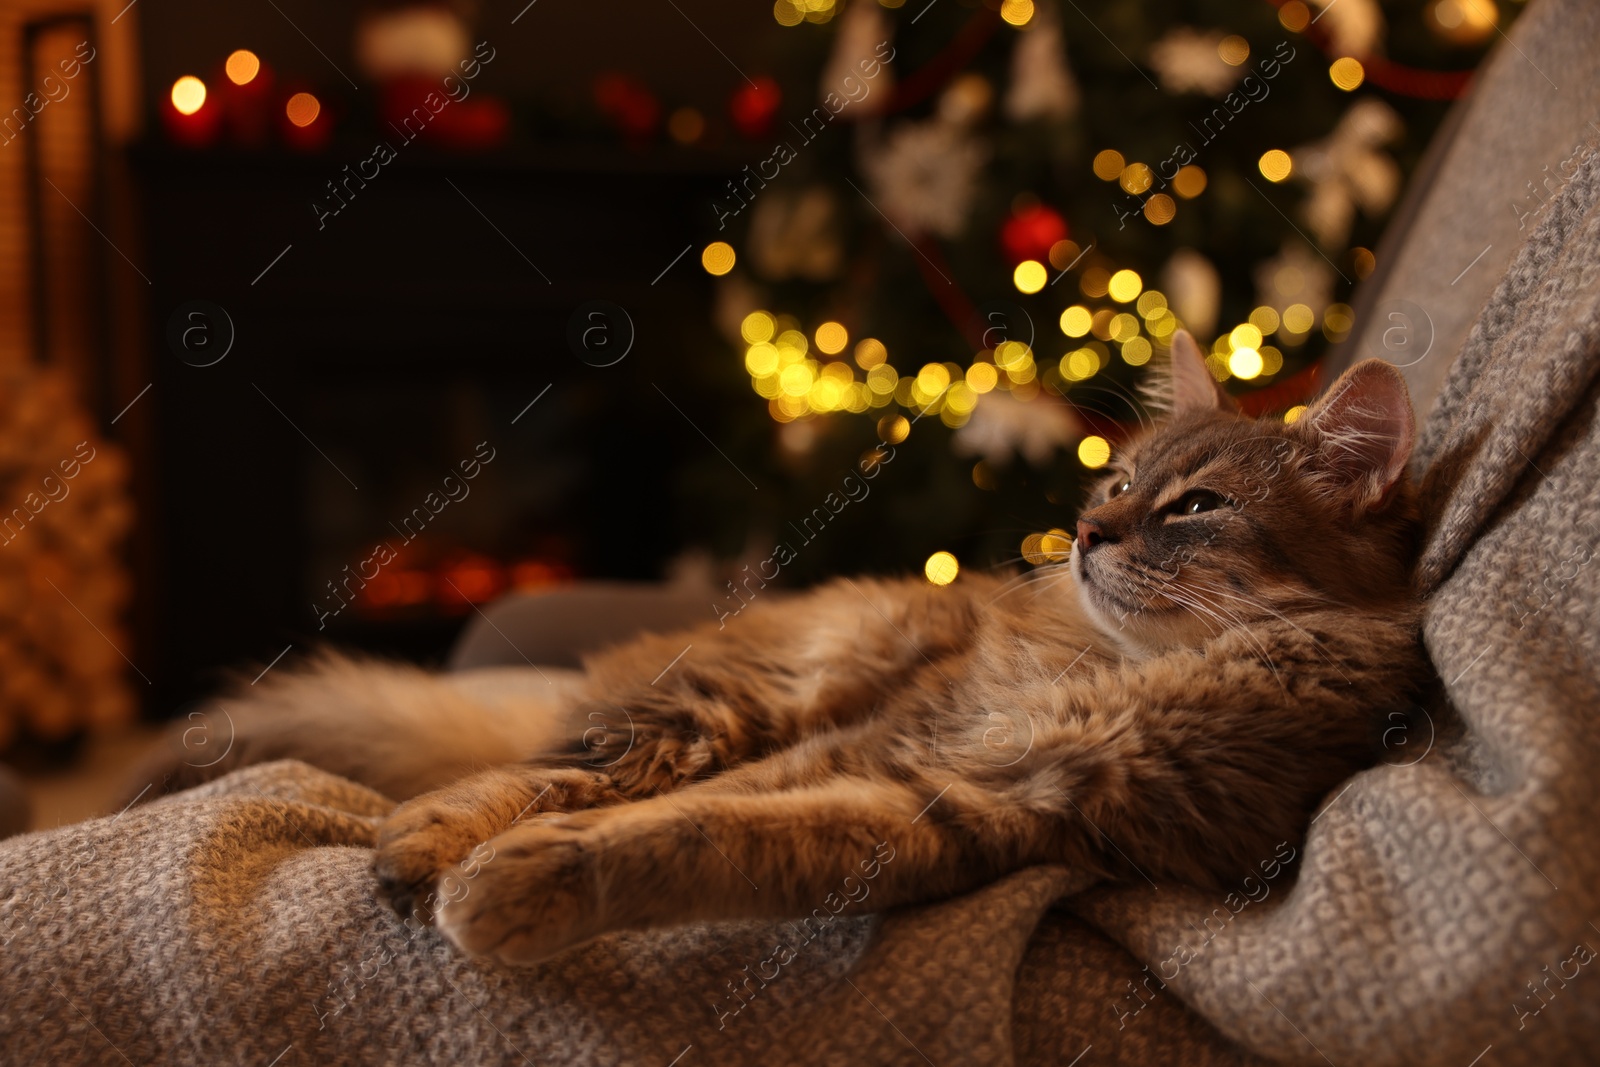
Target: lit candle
(190, 117)
(247, 99)
(306, 124)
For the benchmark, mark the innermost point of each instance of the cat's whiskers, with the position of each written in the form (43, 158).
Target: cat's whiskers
(1039, 574)
(1140, 408)
(1207, 611)
(1281, 617)
(1242, 626)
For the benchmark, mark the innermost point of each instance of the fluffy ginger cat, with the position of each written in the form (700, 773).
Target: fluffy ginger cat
(1174, 700)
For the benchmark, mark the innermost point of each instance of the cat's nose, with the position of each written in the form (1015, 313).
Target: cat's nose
(1090, 534)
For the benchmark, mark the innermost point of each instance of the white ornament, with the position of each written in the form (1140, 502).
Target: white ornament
(796, 235)
(864, 28)
(966, 100)
(1002, 426)
(1041, 82)
(1354, 27)
(1349, 169)
(1186, 61)
(925, 176)
(1296, 275)
(1194, 290)
(420, 39)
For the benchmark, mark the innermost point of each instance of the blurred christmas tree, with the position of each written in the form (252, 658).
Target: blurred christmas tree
(968, 227)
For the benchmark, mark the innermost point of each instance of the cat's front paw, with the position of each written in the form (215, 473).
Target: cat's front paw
(420, 841)
(526, 895)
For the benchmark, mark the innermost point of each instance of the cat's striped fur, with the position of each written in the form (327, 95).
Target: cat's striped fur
(1171, 703)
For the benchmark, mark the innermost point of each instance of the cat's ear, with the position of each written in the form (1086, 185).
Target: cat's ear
(1364, 430)
(1193, 389)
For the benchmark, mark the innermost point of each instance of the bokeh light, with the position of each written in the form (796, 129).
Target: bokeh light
(1017, 12)
(1276, 165)
(1030, 276)
(1075, 320)
(1233, 50)
(1125, 285)
(941, 568)
(718, 258)
(303, 109)
(1245, 363)
(188, 94)
(831, 338)
(242, 67)
(870, 353)
(1298, 318)
(1189, 182)
(1094, 282)
(757, 326)
(1108, 165)
(1136, 178)
(1347, 73)
(1245, 335)
(1094, 451)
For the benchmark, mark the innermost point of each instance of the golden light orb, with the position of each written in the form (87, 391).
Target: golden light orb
(1245, 363)
(188, 94)
(831, 338)
(757, 326)
(942, 568)
(242, 67)
(1108, 165)
(303, 109)
(1030, 276)
(1124, 286)
(1276, 165)
(1094, 451)
(1347, 73)
(1075, 321)
(718, 258)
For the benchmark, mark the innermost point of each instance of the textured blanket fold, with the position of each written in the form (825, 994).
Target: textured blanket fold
(237, 923)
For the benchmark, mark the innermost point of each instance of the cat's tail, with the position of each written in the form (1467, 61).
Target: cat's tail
(397, 729)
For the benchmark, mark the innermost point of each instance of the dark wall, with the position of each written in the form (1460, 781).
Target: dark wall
(389, 340)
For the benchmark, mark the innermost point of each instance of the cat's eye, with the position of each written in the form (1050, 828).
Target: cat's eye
(1198, 502)
(1119, 487)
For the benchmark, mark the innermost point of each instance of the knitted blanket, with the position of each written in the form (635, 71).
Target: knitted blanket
(236, 923)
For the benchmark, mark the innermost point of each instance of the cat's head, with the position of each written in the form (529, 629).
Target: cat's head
(1214, 519)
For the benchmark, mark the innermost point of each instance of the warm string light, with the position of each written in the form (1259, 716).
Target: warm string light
(823, 374)
(794, 12)
(801, 377)
(718, 258)
(941, 568)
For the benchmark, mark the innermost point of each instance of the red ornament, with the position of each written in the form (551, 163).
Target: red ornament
(1029, 233)
(627, 103)
(754, 106)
